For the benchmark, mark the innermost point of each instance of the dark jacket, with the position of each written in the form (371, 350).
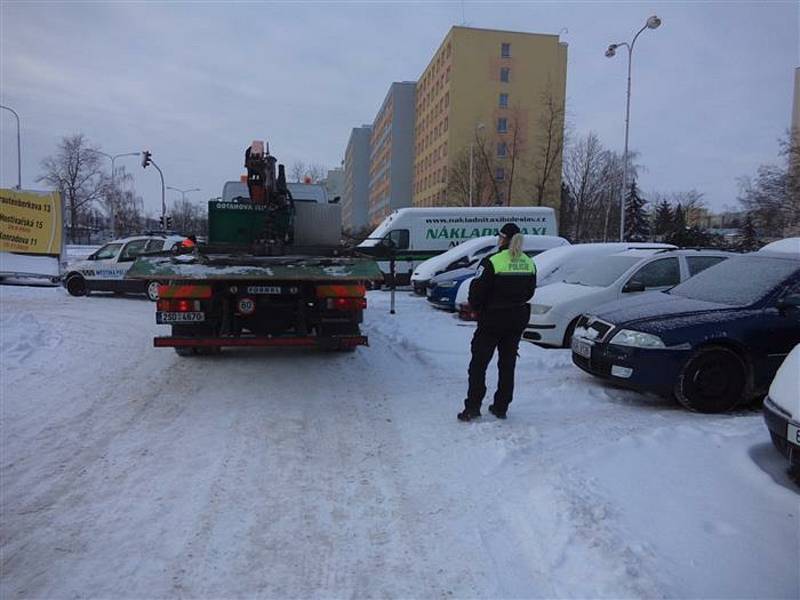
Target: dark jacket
(502, 288)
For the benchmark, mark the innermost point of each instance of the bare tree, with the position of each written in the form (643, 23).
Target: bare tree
(75, 171)
(772, 198)
(583, 174)
(550, 140)
(297, 171)
(458, 178)
(189, 218)
(315, 172)
(125, 209)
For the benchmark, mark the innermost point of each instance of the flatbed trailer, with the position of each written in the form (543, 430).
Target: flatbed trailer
(214, 298)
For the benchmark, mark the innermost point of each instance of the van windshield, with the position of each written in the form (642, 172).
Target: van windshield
(603, 271)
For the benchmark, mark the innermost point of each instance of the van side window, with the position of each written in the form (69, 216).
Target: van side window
(485, 249)
(400, 238)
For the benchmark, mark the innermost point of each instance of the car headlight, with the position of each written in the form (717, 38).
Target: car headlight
(447, 284)
(637, 339)
(540, 309)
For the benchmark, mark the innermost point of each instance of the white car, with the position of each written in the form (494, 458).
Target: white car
(787, 245)
(470, 252)
(556, 308)
(104, 270)
(559, 263)
(782, 408)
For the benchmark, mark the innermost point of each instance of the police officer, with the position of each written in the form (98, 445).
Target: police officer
(504, 283)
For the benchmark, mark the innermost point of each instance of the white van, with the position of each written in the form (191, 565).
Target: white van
(471, 252)
(417, 234)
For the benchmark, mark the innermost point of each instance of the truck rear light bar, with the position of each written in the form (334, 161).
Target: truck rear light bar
(348, 304)
(341, 291)
(184, 291)
(178, 305)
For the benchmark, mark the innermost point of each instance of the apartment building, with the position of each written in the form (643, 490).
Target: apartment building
(334, 182)
(497, 96)
(356, 179)
(392, 153)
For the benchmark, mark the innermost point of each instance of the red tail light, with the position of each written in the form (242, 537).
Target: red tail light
(346, 304)
(173, 305)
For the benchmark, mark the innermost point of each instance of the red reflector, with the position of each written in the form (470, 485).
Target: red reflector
(347, 303)
(171, 305)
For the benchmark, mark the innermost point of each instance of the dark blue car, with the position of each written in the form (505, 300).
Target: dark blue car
(714, 341)
(443, 288)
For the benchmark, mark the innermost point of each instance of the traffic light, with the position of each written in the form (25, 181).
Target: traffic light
(146, 160)
(169, 222)
(161, 221)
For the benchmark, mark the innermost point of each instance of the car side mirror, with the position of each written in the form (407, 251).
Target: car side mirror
(633, 286)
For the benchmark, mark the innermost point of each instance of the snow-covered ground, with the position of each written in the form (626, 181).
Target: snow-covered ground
(130, 472)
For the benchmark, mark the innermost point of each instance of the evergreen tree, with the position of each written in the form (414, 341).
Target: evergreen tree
(637, 226)
(663, 219)
(749, 238)
(678, 218)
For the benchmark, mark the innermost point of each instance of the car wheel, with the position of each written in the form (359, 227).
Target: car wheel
(712, 381)
(76, 286)
(152, 290)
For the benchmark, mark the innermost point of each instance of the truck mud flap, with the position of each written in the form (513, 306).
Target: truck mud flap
(344, 341)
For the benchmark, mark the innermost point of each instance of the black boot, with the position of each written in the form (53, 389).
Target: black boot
(500, 414)
(467, 415)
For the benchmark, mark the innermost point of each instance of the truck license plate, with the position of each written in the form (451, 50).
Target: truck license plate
(264, 289)
(793, 434)
(180, 317)
(581, 347)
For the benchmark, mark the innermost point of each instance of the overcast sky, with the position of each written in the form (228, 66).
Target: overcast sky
(196, 82)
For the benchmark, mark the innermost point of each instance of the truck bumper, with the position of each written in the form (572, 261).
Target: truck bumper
(338, 342)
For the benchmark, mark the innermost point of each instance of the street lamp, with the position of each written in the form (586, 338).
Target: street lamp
(652, 23)
(113, 159)
(19, 151)
(183, 192)
(478, 127)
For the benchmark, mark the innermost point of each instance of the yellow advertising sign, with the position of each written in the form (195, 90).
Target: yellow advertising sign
(30, 222)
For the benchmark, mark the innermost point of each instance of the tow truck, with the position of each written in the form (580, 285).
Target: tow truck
(273, 273)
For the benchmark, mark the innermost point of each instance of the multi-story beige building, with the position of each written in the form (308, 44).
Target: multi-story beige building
(498, 96)
(392, 153)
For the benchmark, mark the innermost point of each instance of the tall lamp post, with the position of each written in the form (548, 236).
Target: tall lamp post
(19, 150)
(113, 158)
(478, 127)
(652, 23)
(183, 192)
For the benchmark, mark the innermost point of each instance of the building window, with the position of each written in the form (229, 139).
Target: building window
(500, 174)
(503, 100)
(502, 125)
(505, 50)
(502, 149)
(505, 74)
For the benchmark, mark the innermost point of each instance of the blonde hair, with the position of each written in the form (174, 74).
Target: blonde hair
(515, 247)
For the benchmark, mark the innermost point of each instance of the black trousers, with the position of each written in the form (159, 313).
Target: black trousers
(500, 329)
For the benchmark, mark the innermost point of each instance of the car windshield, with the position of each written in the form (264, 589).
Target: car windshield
(603, 271)
(725, 283)
(107, 251)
